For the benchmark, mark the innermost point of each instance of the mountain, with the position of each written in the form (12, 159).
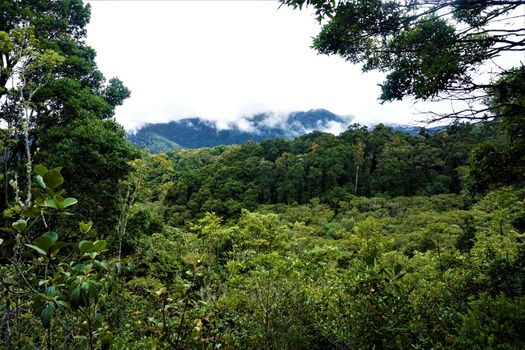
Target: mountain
(197, 133)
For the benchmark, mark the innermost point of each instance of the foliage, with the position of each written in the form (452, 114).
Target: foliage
(59, 283)
(53, 99)
(502, 161)
(430, 49)
(320, 166)
(369, 239)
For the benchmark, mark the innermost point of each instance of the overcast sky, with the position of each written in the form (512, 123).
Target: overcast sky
(221, 60)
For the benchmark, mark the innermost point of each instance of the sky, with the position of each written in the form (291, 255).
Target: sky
(225, 60)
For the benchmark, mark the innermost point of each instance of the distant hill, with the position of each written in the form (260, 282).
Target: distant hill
(197, 133)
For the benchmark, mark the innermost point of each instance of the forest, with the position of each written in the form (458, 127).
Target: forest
(370, 239)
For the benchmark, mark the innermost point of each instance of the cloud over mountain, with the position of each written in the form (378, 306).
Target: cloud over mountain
(196, 132)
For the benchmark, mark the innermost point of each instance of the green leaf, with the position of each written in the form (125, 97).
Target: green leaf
(39, 197)
(39, 250)
(40, 169)
(100, 245)
(99, 265)
(86, 247)
(40, 181)
(62, 304)
(93, 290)
(81, 268)
(47, 314)
(46, 241)
(53, 251)
(85, 227)
(53, 236)
(1, 241)
(43, 243)
(74, 296)
(69, 202)
(51, 291)
(20, 225)
(53, 178)
(84, 292)
(31, 213)
(50, 202)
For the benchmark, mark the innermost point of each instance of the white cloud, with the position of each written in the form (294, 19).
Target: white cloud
(223, 60)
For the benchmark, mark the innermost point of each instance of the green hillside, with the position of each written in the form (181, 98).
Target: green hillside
(153, 142)
(198, 133)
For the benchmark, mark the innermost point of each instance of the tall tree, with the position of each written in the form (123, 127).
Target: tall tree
(46, 109)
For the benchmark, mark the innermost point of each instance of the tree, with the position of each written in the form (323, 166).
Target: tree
(359, 154)
(502, 161)
(26, 68)
(52, 96)
(430, 49)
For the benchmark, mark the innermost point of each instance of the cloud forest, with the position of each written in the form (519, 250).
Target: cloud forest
(374, 238)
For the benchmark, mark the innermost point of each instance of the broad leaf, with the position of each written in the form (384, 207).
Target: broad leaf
(39, 250)
(84, 293)
(19, 225)
(397, 269)
(85, 227)
(50, 202)
(99, 265)
(40, 169)
(53, 178)
(31, 213)
(100, 245)
(74, 296)
(69, 202)
(86, 247)
(51, 235)
(43, 243)
(47, 314)
(51, 291)
(53, 251)
(62, 304)
(39, 197)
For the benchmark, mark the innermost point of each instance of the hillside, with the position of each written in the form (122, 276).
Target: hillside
(197, 133)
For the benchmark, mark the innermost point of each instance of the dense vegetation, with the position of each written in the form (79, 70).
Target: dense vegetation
(373, 239)
(318, 165)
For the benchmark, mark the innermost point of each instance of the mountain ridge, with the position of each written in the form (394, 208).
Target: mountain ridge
(194, 132)
(197, 133)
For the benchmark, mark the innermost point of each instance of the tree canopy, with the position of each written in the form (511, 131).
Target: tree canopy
(430, 49)
(56, 107)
